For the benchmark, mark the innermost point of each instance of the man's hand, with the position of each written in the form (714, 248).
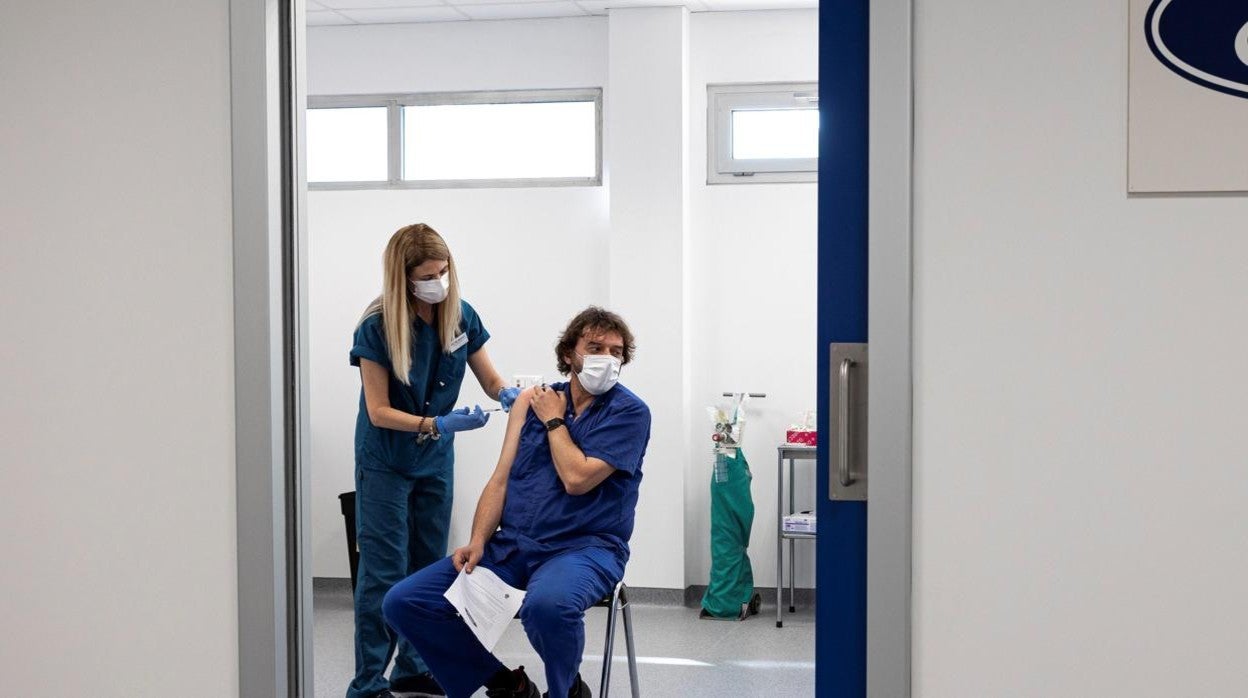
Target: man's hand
(547, 403)
(466, 558)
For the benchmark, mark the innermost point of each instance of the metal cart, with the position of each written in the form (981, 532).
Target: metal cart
(790, 453)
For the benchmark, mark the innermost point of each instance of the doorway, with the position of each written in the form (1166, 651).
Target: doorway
(761, 465)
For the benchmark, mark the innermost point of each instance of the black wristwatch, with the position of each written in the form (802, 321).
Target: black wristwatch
(553, 424)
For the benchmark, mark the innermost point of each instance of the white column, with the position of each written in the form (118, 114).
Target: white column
(647, 159)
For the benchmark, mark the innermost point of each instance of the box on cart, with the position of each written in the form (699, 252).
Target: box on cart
(801, 522)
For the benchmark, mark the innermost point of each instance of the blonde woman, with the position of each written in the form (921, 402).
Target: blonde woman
(412, 346)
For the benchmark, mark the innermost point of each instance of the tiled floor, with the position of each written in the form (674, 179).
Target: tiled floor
(679, 656)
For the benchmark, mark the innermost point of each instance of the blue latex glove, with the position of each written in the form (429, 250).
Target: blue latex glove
(461, 420)
(507, 396)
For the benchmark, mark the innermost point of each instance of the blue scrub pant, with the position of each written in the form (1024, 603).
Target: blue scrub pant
(559, 588)
(401, 525)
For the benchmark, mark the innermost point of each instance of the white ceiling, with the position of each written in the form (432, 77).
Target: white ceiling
(327, 12)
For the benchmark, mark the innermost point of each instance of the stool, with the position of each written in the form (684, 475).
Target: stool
(618, 601)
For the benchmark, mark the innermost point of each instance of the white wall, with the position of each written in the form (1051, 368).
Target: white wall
(495, 231)
(1080, 463)
(528, 259)
(753, 285)
(117, 469)
(646, 127)
(519, 254)
(457, 56)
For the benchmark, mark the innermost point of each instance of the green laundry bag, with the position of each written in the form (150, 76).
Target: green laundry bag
(730, 592)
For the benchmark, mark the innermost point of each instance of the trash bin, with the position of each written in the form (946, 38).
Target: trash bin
(347, 500)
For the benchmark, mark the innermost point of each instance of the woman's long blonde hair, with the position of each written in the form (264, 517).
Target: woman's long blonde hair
(411, 246)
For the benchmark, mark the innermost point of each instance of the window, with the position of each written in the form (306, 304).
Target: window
(500, 141)
(347, 144)
(475, 139)
(762, 133)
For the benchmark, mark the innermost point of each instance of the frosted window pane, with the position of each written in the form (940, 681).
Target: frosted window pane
(500, 141)
(347, 145)
(775, 134)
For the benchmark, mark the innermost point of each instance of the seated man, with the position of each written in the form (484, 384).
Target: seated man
(554, 519)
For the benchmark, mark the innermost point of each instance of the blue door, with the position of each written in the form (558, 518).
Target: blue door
(841, 567)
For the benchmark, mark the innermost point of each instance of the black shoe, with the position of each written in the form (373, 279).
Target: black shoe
(521, 687)
(580, 690)
(419, 686)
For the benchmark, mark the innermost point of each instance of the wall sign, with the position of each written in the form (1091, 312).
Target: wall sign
(1188, 96)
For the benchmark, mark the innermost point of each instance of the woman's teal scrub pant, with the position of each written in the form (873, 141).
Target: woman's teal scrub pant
(401, 526)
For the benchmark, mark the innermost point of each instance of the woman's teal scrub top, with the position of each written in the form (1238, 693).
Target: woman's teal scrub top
(434, 378)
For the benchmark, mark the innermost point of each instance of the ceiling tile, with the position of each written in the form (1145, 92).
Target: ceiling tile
(377, 4)
(329, 12)
(521, 10)
(322, 18)
(744, 5)
(441, 13)
(459, 3)
(600, 7)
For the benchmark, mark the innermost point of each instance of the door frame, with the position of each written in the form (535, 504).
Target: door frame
(863, 561)
(267, 94)
(890, 294)
(865, 295)
(274, 585)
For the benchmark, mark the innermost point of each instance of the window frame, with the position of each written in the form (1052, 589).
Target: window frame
(395, 102)
(722, 100)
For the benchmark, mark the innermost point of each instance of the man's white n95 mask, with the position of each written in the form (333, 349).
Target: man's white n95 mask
(599, 373)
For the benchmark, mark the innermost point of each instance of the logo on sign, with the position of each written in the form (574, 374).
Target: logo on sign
(1204, 41)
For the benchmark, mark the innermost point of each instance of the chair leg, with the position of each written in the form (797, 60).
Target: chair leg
(632, 651)
(610, 648)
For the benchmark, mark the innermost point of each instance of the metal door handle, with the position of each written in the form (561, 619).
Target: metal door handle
(843, 422)
(848, 470)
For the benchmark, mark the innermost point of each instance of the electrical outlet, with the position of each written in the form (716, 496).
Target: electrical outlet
(523, 381)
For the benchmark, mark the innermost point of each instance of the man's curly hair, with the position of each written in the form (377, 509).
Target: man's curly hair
(593, 320)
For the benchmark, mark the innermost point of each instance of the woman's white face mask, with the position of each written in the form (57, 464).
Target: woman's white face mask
(599, 373)
(432, 290)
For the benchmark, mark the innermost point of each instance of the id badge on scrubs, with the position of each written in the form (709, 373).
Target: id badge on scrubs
(459, 341)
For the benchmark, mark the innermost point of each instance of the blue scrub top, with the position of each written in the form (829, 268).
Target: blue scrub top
(434, 379)
(538, 513)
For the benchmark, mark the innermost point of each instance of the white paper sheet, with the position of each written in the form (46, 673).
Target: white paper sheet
(485, 602)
